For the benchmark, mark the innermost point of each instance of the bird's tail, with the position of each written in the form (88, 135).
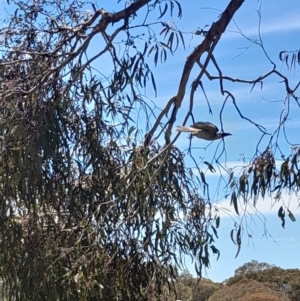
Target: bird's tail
(186, 129)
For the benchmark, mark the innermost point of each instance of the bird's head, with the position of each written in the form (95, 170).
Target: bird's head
(222, 135)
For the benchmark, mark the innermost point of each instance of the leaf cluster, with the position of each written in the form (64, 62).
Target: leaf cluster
(89, 212)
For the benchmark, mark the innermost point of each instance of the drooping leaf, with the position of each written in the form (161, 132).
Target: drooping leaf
(215, 251)
(162, 13)
(281, 212)
(153, 82)
(238, 241)
(291, 216)
(210, 167)
(282, 55)
(179, 9)
(183, 43)
(232, 237)
(215, 231)
(164, 30)
(131, 130)
(156, 57)
(281, 215)
(218, 222)
(203, 177)
(234, 201)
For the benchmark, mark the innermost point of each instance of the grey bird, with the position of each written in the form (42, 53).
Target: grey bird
(203, 130)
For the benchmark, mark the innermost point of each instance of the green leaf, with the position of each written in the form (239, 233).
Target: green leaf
(156, 57)
(238, 241)
(179, 9)
(293, 62)
(163, 55)
(281, 215)
(182, 40)
(153, 82)
(234, 202)
(131, 130)
(163, 30)
(203, 177)
(282, 55)
(287, 61)
(210, 167)
(145, 49)
(291, 216)
(170, 41)
(151, 49)
(281, 212)
(162, 13)
(164, 45)
(231, 236)
(215, 231)
(215, 251)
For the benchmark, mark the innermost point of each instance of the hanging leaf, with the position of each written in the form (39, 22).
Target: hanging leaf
(281, 215)
(131, 130)
(163, 30)
(281, 212)
(215, 251)
(203, 177)
(287, 61)
(179, 9)
(210, 167)
(231, 236)
(153, 83)
(170, 41)
(215, 231)
(291, 216)
(164, 45)
(234, 202)
(238, 241)
(156, 57)
(151, 49)
(282, 55)
(182, 40)
(293, 62)
(162, 13)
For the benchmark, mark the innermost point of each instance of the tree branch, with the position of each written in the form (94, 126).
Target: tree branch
(209, 42)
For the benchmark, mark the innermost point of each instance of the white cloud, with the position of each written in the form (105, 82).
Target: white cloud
(262, 206)
(287, 23)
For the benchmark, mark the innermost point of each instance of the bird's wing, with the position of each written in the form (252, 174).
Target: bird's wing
(205, 126)
(182, 128)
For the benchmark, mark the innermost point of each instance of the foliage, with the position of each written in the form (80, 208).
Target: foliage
(290, 58)
(90, 210)
(96, 205)
(252, 281)
(244, 290)
(189, 288)
(252, 267)
(284, 280)
(262, 297)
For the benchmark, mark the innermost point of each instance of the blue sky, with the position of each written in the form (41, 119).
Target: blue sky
(239, 58)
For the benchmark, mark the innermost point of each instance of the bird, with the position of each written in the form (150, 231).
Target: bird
(203, 130)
